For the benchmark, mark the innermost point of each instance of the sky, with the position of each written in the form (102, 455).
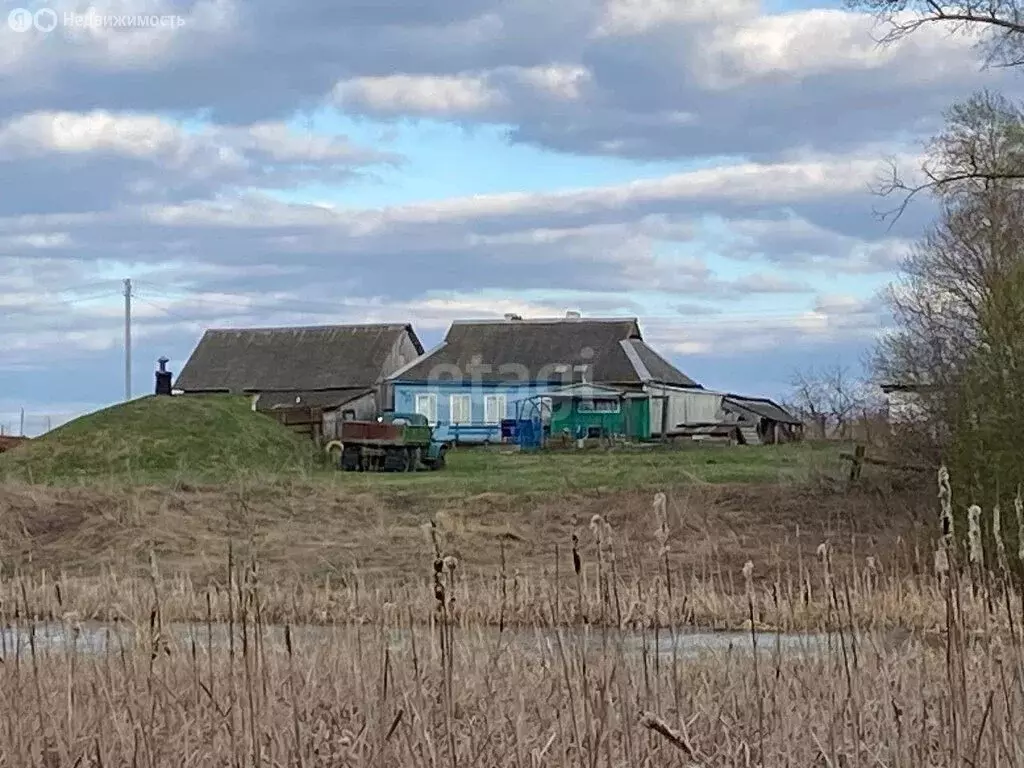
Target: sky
(706, 166)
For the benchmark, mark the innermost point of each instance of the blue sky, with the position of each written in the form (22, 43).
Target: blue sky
(704, 166)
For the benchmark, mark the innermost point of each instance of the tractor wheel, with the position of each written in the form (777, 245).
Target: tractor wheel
(350, 459)
(440, 460)
(396, 460)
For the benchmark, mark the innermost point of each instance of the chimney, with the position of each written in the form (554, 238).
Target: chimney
(572, 315)
(163, 378)
(511, 316)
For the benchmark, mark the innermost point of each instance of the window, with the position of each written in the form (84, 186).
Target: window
(426, 405)
(494, 409)
(602, 405)
(461, 409)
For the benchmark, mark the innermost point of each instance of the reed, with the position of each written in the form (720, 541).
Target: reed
(590, 663)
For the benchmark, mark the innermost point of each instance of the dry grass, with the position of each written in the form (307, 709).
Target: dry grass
(424, 683)
(333, 553)
(468, 647)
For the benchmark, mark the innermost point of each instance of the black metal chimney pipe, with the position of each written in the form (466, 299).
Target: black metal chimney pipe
(163, 378)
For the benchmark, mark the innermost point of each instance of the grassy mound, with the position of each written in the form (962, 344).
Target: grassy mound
(155, 439)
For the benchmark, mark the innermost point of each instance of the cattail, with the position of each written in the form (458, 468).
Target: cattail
(974, 534)
(606, 541)
(945, 505)
(451, 563)
(748, 576)
(941, 562)
(824, 551)
(997, 534)
(1018, 507)
(660, 506)
(577, 563)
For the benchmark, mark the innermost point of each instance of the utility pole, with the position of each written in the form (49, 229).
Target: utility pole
(127, 339)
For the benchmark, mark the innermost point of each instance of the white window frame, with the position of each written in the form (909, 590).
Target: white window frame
(426, 405)
(466, 408)
(501, 407)
(590, 405)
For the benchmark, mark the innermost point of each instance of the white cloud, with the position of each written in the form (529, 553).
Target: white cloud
(419, 94)
(634, 17)
(145, 136)
(802, 44)
(562, 81)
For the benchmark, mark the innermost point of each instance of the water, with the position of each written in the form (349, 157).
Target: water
(100, 638)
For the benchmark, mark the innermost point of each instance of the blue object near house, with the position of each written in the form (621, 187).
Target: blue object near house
(479, 375)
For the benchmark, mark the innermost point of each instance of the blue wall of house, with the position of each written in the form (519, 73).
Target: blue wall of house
(477, 430)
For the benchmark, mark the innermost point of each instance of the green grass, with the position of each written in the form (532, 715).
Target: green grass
(478, 470)
(218, 439)
(160, 439)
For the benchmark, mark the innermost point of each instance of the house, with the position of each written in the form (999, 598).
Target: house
(487, 371)
(336, 370)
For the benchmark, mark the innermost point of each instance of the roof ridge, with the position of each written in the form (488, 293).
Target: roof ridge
(546, 320)
(330, 327)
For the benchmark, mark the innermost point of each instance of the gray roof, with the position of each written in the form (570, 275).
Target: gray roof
(332, 398)
(763, 407)
(314, 358)
(547, 350)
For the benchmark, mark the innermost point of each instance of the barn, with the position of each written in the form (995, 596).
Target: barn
(309, 377)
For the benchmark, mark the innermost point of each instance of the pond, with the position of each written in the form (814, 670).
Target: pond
(99, 637)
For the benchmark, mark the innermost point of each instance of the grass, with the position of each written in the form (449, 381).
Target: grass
(475, 470)
(337, 545)
(218, 439)
(579, 667)
(153, 439)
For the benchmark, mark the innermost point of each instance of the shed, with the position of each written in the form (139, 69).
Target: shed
(762, 420)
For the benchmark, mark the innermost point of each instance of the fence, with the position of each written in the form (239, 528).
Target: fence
(20, 423)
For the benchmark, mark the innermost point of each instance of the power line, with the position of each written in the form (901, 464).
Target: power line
(305, 306)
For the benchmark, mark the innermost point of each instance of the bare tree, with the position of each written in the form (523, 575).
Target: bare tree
(951, 279)
(831, 398)
(997, 25)
(980, 149)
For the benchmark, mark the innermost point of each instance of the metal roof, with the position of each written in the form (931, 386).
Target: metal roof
(329, 399)
(763, 407)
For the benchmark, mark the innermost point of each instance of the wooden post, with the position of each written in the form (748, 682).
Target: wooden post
(857, 463)
(664, 415)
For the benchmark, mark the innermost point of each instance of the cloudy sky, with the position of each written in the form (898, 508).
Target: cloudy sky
(705, 165)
